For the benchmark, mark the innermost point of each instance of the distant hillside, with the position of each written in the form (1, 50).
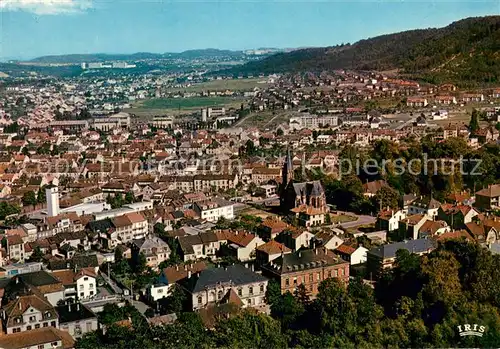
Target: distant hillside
(101, 57)
(466, 51)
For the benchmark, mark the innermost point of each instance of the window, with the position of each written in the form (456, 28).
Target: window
(329, 273)
(250, 290)
(200, 300)
(295, 280)
(219, 295)
(311, 279)
(41, 346)
(91, 285)
(261, 288)
(240, 292)
(37, 326)
(91, 293)
(287, 282)
(85, 278)
(335, 273)
(45, 324)
(28, 328)
(318, 276)
(341, 272)
(53, 324)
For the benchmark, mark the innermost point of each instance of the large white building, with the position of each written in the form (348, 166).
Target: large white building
(212, 210)
(52, 195)
(310, 121)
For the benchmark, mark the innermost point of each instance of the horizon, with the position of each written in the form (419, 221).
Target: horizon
(34, 28)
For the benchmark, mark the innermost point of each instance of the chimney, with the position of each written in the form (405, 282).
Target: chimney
(20, 306)
(78, 306)
(69, 306)
(189, 274)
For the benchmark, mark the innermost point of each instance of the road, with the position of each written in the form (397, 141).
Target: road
(362, 220)
(111, 283)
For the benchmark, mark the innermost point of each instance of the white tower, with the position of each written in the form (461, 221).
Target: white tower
(52, 195)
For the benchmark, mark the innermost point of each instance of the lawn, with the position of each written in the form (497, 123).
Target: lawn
(178, 106)
(222, 85)
(337, 219)
(186, 103)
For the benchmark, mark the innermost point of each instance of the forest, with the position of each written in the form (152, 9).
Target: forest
(465, 53)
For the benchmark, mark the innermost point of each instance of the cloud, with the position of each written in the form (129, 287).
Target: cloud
(46, 7)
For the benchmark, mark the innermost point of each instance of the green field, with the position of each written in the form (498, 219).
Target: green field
(176, 106)
(223, 85)
(186, 103)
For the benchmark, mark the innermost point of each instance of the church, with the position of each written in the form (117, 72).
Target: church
(305, 200)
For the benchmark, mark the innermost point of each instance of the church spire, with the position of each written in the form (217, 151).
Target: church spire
(287, 174)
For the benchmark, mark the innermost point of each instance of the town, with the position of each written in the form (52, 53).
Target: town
(166, 201)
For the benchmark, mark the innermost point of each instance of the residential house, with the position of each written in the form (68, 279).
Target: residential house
(170, 276)
(383, 257)
(81, 284)
(213, 286)
(76, 319)
(295, 238)
(456, 216)
(154, 249)
(28, 312)
(271, 227)
(306, 267)
(354, 255)
(212, 210)
(424, 206)
(389, 220)
(328, 239)
(410, 226)
(488, 198)
(48, 337)
(269, 251)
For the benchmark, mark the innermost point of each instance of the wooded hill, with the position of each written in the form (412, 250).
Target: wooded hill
(466, 51)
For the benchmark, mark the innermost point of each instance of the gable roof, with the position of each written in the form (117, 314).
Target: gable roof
(44, 335)
(234, 274)
(413, 246)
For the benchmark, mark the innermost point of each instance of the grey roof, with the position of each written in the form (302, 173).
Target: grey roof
(303, 260)
(73, 312)
(235, 274)
(413, 246)
(150, 243)
(313, 188)
(186, 243)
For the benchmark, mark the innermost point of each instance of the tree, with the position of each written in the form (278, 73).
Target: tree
(474, 121)
(497, 126)
(40, 197)
(386, 197)
(129, 197)
(37, 254)
(273, 291)
(29, 198)
(7, 209)
(173, 303)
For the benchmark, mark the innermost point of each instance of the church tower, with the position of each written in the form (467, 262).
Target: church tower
(287, 172)
(287, 178)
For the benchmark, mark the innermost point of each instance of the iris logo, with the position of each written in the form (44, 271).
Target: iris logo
(471, 330)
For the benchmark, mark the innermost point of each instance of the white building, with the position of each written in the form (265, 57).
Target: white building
(212, 210)
(52, 195)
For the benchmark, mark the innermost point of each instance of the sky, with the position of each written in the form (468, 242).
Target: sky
(32, 28)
